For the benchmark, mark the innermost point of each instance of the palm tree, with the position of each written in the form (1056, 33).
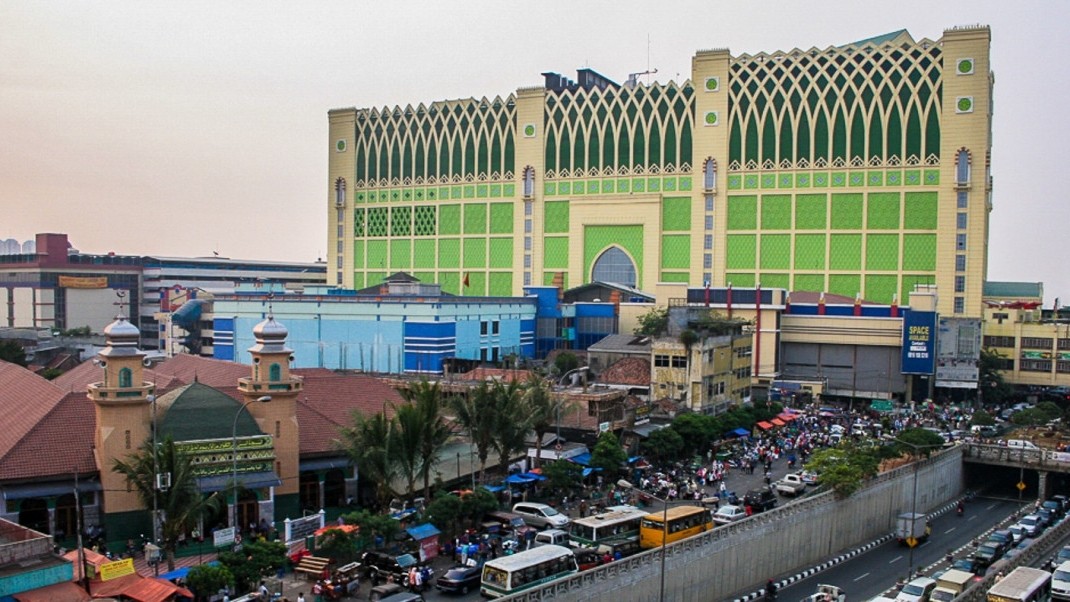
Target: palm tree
(427, 398)
(369, 443)
(405, 444)
(182, 505)
(476, 413)
(543, 411)
(513, 421)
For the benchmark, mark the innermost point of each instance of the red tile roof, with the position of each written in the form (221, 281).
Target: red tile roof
(59, 444)
(328, 403)
(25, 399)
(627, 371)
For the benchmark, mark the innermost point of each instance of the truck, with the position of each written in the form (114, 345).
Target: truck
(912, 525)
(792, 484)
(950, 584)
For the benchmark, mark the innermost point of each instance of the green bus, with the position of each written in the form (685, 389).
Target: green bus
(507, 575)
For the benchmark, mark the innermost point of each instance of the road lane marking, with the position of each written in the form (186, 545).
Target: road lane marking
(861, 577)
(949, 530)
(896, 559)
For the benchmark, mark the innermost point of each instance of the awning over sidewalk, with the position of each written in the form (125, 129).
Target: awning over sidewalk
(765, 426)
(777, 422)
(67, 590)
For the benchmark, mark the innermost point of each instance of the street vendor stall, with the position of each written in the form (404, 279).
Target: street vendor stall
(426, 536)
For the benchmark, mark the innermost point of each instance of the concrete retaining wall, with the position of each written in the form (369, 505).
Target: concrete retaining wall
(727, 561)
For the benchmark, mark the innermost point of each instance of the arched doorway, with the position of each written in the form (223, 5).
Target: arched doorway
(309, 491)
(614, 265)
(334, 488)
(33, 513)
(66, 516)
(248, 510)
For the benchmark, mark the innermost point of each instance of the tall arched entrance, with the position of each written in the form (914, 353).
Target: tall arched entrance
(614, 265)
(248, 510)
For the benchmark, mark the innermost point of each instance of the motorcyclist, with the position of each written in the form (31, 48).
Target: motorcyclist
(770, 590)
(960, 509)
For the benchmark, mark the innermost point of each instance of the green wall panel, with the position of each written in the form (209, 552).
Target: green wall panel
(449, 219)
(477, 284)
(742, 212)
(358, 254)
(376, 257)
(425, 277)
(500, 285)
(548, 279)
(449, 253)
(776, 252)
(845, 252)
(776, 212)
(597, 239)
(809, 252)
(846, 211)
(919, 252)
(882, 252)
(809, 282)
(475, 218)
(358, 280)
(400, 254)
(847, 285)
(555, 252)
(451, 282)
(740, 279)
(556, 217)
(880, 288)
(401, 221)
(423, 254)
(501, 252)
(475, 253)
(676, 214)
(683, 277)
(378, 221)
(909, 280)
(775, 280)
(501, 218)
(882, 211)
(676, 251)
(375, 278)
(920, 211)
(811, 211)
(740, 251)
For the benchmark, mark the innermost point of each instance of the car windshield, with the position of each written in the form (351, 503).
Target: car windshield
(913, 590)
(986, 550)
(1061, 575)
(1064, 553)
(549, 511)
(1029, 520)
(963, 564)
(458, 573)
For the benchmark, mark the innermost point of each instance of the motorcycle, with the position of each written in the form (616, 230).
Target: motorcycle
(960, 510)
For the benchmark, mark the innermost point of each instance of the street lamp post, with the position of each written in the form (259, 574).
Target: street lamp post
(914, 498)
(625, 484)
(155, 486)
(234, 457)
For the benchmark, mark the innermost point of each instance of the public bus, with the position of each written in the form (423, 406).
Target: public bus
(616, 530)
(683, 522)
(507, 575)
(1023, 584)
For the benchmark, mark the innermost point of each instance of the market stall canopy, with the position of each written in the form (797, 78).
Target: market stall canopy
(424, 531)
(765, 426)
(582, 459)
(777, 422)
(519, 479)
(740, 432)
(342, 528)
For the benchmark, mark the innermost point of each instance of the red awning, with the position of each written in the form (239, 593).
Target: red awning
(68, 590)
(136, 587)
(786, 417)
(765, 426)
(342, 528)
(777, 422)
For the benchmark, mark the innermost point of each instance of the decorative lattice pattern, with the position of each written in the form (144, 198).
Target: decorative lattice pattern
(378, 221)
(452, 141)
(424, 221)
(872, 104)
(618, 130)
(401, 221)
(358, 223)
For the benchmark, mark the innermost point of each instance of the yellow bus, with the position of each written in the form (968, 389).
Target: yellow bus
(683, 522)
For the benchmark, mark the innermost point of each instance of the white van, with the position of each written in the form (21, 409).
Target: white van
(551, 537)
(1060, 582)
(1021, 444)
(917, 590)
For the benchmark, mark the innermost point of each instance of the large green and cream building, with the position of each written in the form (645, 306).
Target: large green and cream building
(853, 169)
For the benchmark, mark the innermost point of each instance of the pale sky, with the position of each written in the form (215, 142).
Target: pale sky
(185, 128)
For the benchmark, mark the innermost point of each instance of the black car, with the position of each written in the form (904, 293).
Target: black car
(760, 500)
(460, 580)
(988, 552)
(378, 566)
(969, 565)
(1004, 537)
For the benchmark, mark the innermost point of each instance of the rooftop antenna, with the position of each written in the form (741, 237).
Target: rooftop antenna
(121, 294)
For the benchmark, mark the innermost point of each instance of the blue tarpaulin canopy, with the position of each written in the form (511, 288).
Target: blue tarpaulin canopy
(587, 471)
(518, 479)
(422, 532)
(493, 488)
(582, 459)
(180, 573)
(740, 432)
(533, 476)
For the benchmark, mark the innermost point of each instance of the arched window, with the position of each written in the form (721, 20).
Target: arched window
(275, 373)
(529, 181)
(962, 167)
(340, 192)
(125, 378)
(614, 266)
(709, 174)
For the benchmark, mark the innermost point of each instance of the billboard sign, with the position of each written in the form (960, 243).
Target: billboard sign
(958, 353)
(919, 342)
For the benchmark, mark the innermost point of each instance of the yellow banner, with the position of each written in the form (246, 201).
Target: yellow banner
(119, 568)
(83, 281)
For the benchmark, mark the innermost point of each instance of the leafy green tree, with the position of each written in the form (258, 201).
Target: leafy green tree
(182, 505)
(566, 362)
(608, 454)
(1049, 410)
(338, 545)
(371, 525)
(1029, 417)
(696, 432)
(653, 322)
(844, 468)
(477, 503)
(475, 412)
(563, 475)
(982, 418)
(446, 513)
(543, 410)
(663, 445)
(991, 385)
(917, 442)
(12, 352)
(513, 424)
(369, 443)
(255, 560)
(206, 580)
(405, 444)
(435, 432)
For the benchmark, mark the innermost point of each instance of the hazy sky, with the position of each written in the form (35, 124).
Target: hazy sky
(186, 128)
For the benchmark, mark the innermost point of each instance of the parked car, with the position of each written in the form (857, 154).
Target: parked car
(1062, 556)
(1046, 515)
(1003, 536)
(379, 566)
(969, 565)
(917, 590)
(729, 514)
(760, 500)
(541, 515)
(460, 579)
(1017, 532)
